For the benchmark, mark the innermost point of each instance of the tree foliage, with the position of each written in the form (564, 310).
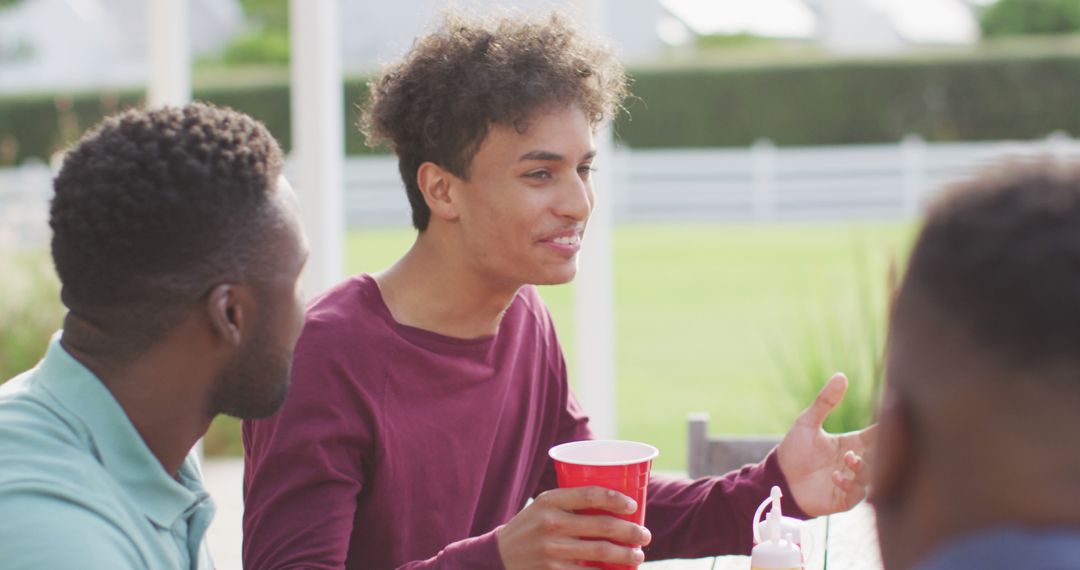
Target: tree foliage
(267, 40)
(268, 14)
(1030, 17)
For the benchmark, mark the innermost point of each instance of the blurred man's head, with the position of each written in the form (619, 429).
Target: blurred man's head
(175, 216)
(982, 407)
(492, 124)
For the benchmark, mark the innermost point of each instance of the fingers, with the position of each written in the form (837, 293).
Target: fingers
(594, 551)
(571, 533)
(827, 399)
(581, 498)
(853, 485)
(598, 526)
(550, 534)
(855, 465)
(861, 471)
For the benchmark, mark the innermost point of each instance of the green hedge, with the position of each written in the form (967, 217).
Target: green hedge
(41, 124)
(976, 98)
(856, 102)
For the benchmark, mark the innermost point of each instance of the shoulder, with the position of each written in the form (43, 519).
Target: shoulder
(47, 452)
(34, 432)
(530, 307)
(339, 304)
(1009, 547)
(37, 516)
(528, 315)
(350, 308)
(338, 366)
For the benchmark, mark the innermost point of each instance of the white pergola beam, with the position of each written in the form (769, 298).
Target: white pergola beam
(318, 137)
(170, 53)
(594, 287)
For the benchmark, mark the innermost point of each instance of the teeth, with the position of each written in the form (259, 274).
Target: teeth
(569, 240)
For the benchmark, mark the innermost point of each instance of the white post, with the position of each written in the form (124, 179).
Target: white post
(763, 159)
(1058, 145)
(170, 53)
(169, 65)
(620, 179)
(318, 136)
(594, 304)
(913, 159)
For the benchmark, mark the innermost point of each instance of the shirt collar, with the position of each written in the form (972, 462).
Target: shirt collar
(1008, 548)
(115, 441)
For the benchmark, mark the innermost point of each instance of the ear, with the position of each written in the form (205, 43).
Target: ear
(435, 184)
(225, 309)
(894, 463)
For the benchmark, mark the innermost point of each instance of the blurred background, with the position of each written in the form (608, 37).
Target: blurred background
(766, 178)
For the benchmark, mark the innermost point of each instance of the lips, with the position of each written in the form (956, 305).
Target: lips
(565, 235)
(567, 241)
(573, 241)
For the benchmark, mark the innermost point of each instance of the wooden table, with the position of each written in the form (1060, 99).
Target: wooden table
(852, 545)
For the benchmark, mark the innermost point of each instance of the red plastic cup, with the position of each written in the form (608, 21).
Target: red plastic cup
(619, 465)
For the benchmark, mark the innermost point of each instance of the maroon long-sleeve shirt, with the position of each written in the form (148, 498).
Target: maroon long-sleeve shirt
(401, 448)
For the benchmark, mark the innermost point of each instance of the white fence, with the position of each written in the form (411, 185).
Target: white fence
(760, 183)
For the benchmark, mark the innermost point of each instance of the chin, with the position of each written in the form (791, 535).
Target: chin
(563, 273)
(555, 278)
(251, 393)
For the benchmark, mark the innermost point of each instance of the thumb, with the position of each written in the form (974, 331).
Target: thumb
(827, 399)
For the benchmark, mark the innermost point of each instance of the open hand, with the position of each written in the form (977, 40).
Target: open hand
(827, 473)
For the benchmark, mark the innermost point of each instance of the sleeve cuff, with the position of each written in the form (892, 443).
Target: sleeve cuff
(479, 553)
(771, 472)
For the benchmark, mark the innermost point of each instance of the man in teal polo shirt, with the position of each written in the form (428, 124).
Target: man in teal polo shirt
(179, 249)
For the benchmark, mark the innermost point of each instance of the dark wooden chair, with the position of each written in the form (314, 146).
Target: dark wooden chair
(716, 455)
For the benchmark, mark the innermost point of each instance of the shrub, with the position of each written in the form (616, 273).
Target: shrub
(30, 310)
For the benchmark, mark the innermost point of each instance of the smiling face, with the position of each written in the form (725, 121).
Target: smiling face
(521, 214)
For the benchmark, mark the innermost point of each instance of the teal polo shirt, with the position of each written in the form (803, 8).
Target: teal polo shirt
(78, 486)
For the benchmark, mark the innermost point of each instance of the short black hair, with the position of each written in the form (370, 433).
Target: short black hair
(438, 103)
(999, 255)
(152, 208)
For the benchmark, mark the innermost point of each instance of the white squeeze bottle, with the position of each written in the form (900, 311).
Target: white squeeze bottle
(773, 551)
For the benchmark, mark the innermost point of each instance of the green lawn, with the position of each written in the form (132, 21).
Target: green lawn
(707, 315)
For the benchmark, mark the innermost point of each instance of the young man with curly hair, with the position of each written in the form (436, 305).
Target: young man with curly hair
(179, 249)
(426, 396)
(979, 459)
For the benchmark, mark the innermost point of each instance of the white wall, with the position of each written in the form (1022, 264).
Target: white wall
(857, 27)
(871, 27)
(374, 37)
(83, 44)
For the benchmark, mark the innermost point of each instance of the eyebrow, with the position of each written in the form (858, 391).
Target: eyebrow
(549, 156)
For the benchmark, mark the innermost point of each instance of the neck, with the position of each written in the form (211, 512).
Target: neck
(1024, 493)
(156, 389)
(433, 289)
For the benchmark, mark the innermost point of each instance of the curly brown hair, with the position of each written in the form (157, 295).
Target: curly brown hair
(438, 103)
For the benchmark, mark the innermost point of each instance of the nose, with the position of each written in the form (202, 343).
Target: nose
(576, 199)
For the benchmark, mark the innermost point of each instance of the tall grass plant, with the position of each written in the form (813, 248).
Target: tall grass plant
(30, 309)
(841, 333)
